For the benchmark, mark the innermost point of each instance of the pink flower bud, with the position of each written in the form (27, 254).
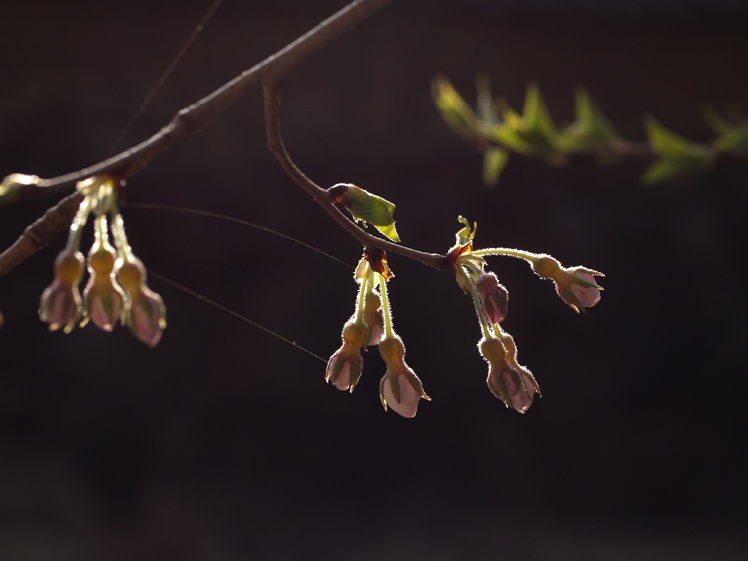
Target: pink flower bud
(508, 381)
(400, 388)
(494, 297)
(587, 296)
(145, 315)
(576, 286)
(345, 365)
(60, 302)
(102, 298)
(102, 301)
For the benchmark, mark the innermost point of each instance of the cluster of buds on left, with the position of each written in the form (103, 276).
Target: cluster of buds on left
(116, 289)
(370, 325)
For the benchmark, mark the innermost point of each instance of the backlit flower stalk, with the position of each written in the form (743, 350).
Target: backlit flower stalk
(400, 388)
(103, 298)
(145, 313)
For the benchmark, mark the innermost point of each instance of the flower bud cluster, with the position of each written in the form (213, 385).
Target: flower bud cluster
(399, 388)
(116, 289)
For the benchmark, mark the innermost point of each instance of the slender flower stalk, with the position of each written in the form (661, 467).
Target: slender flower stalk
(103, 298)
(476, 300)
(346, 365)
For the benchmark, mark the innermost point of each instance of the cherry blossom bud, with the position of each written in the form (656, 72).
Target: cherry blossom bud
(374, 317)
(102, 298)
(345, 365)
(145, 313)
(494, 297)
(60, 302)
(576, 286)
(511, 385)
(400, 388)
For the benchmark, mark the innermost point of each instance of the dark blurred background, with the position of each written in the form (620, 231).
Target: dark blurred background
(225, 443)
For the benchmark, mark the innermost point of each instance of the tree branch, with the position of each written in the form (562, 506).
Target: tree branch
(185, 123)
(37, 235)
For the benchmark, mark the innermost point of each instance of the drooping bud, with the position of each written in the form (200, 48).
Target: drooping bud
(576, 286)
(510, 385)
(494, 296)
(145, 313)
(60, 302)
(345, 365)
(400, 388)
(102, 297)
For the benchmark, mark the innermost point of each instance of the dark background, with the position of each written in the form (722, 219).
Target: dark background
(225, 443)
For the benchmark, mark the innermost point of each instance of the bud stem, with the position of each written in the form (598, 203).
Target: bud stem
(526, 255)
(118, 231)
(361, 298)
(388, 331)
(76, 227)
(476, 300)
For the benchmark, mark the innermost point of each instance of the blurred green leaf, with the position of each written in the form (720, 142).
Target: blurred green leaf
(716, 122)
(494, 161)
(532, 133)
(591, 130)
(677, 155)
(457, 114)
(737, 138)
(664, 141)
(537, 116)
(731, 136)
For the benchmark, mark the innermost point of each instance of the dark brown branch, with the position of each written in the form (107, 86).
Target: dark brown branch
(38, 235)
(320, 195)
(184, 124)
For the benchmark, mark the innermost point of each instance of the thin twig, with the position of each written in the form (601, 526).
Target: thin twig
(276, 146)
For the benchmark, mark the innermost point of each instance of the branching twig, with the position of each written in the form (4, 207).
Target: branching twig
(37, 235)
(184, 124)
(275, 143)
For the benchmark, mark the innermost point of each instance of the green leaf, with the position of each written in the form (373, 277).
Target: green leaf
(366, 207)
(716, 122)
(737, 138)
(457, 114)
(376, 211)
(389, 231)
(533, 133)
(668, 166)
(731, 136)
(665, 141)
(591, 130)
(536, 114)
(677, 155)
(494, 161)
